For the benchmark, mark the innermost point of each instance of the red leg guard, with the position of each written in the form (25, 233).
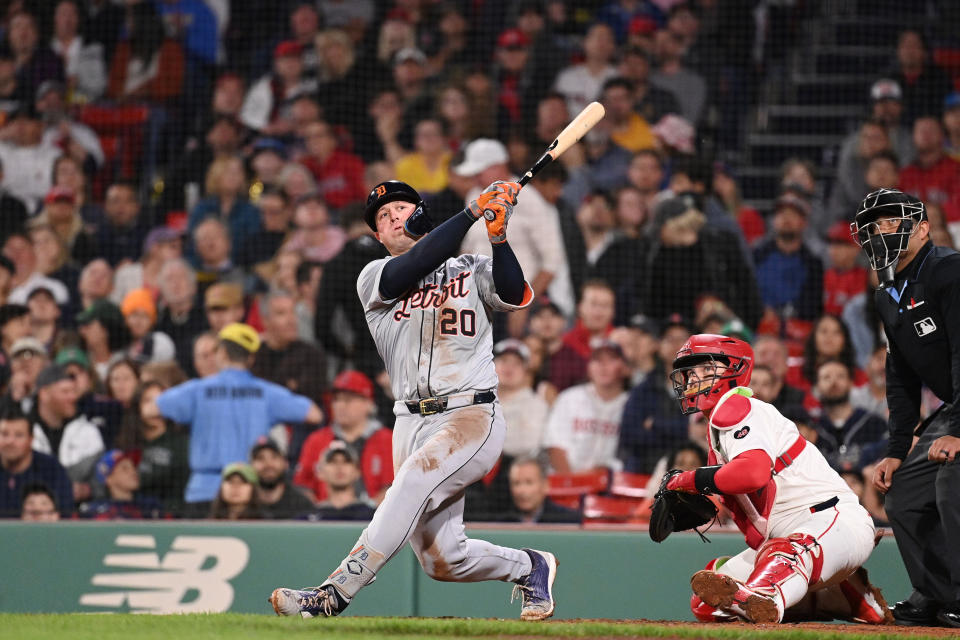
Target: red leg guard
(867, 604)
(781, 558)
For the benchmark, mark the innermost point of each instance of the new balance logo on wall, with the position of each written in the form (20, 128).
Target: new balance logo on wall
(192, 576)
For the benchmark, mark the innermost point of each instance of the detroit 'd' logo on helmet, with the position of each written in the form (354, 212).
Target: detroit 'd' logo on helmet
(740, 434)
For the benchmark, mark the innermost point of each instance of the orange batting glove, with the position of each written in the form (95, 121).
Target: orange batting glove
(495, 204)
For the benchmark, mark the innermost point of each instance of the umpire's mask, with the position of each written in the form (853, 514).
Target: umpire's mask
(883, 226)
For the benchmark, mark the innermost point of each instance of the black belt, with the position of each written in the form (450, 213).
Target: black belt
(826, 504)
(438, 404)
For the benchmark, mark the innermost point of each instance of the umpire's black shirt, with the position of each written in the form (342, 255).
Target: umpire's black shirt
(921, 317)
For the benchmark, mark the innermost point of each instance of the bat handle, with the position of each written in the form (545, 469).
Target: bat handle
(543, 161)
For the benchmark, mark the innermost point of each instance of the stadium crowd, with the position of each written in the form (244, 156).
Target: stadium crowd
(181, 220)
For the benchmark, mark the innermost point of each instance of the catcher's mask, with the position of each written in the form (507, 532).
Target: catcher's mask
(418, 224)
(883, 226)
(706, 367)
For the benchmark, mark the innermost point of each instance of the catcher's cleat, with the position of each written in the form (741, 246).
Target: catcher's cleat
(867, 603)
(722, 591)
(323, 602)
(536, 588)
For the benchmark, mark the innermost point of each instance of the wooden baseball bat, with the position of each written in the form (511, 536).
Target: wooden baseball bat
(570, 136)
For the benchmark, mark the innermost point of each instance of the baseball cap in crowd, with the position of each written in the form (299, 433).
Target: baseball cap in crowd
(60, 194)
(241, 334)
(7, 263)
(273, 145)
(543, 302)
(72, 355)
(607, 346)
(242, 469)
(41, 288)
(676, 132)
(341, 447)
(28, 344)
(10, 312)
(641, 26)
(512, 345)
(952, 101)
(675, 320)
(793, 201)
(354, 382)
(52, 374)
(263, 442)
(109, 461)
(840, 232)
(644, 323)
(139, 300)
(735, 328)
(287, 48)
(223, 295)
(104, 311)
(513, 39)
(671, 208)
(410, 54)
(481, 154)
(158, 235)
(885, 89)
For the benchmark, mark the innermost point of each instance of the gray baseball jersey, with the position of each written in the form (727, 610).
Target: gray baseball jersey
(436, 339)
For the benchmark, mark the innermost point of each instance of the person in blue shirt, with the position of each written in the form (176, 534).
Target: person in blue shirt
(227, 412)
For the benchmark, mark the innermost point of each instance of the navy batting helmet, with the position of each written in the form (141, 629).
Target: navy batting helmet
(417, 224)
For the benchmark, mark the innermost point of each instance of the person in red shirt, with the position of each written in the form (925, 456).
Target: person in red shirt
(934, 177)
(845, 279)
(568, 364)
(353, 423)
(339, 173)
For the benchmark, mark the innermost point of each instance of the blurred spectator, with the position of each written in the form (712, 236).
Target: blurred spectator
(60, 213)
(552, 117)
(11, 95)
(61, 130)
(561, 364)
(354, 426)
(122, 380)
(228, 411)
(651, 426)
(339, 470)
(691, 176)
(727, 192)
(427, 167)
(410, 81)
(455, 114)
(535, 231)
(35, 62)
(342, 85)
(160, 245)
(283, 358)
(523, 410)
(22, 466)
(339, 174)
(798, 176)
(604, 167)
(59, 431)
(883, 171)
(296, 181)
(315, 237)
(845, 279)
(275, 214)
(594, 322)
(226, 201)
(629, 129)
(12, 212)
(146, 65)
(53, 261)
(581, 83)
(351, 15)
(26, 158)
(685, 457)
(14, 325)
(117, 474)
(39, 504)
(96, 282)
(181, 317)
(934, 177)
(308, 278)
(163, 447)
(7, 270)
(623, 257)
(120, 237)
(528, 493)
(515, 79)
(851, 185)
(683, 243)
(103, 411)
(105, 334)
(337, 295)
(185, 174)
(850, 438)
(83, 62)
(237, 499)
(214, 254)
(44, 315)
(829, 340)
(596, 225)
(278, 498)
(886, 106)
(872, 396)
(140, 315)
(672, 75)
(649, 101)
(268, 98)
(68, 172)
(645, 174)
(789, 275)
(28, 357)
(924, 84)
(951, 124)
(771, 353)
(168, 374)
(223, 303)
(205, 354)
(639, 343)
(584, 426)
(195, 25)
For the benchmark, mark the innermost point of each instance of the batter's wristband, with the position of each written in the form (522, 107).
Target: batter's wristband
(703, 479)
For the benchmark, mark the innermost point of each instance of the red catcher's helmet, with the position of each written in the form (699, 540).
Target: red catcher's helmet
(695, 394)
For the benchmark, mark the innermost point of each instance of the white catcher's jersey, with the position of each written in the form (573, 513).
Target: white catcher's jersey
(807, 481)
(436, 338)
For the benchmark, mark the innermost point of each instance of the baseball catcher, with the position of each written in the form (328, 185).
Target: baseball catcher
(804, 528)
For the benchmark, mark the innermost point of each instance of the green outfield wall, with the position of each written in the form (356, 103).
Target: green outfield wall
(175, 566)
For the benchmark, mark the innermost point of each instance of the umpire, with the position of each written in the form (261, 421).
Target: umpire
(919, 303)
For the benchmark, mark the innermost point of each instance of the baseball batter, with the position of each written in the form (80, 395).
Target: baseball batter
(429, 314)
(805, 528)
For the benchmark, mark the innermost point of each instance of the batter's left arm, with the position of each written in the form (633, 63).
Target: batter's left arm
(507, 274)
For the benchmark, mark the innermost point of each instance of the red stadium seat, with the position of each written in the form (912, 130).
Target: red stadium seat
(570, 502)
(578, 484)
(121, 130)
(630, 485)
(610, 509)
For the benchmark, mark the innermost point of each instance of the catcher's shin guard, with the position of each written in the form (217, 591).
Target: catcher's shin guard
(785, 568)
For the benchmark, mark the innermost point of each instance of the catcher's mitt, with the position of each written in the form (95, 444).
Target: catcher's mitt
(678, 511)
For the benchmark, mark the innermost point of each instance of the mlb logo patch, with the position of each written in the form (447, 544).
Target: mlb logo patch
(739, 434)
(925, 327)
